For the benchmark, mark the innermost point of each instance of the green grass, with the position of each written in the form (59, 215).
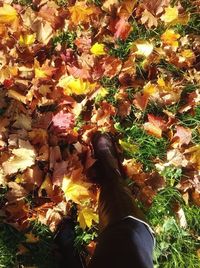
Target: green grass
(39, 254)
(84, 237)
(23, 2)
(9, 241)
(149, 147)
(64, 38)
(172, 175)
(175, 246)
(111, 85)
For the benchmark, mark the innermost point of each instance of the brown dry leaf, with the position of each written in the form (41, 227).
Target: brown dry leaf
(109, 4)
(31, 238)
(182, 136)
(149, 19)
(176, 158)
(43, 30)
(126, 8)
(180, 215)
(22, 158)
(155, 6)
(15, 192)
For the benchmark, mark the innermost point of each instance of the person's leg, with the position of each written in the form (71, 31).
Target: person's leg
(123, 242)
(68, 255)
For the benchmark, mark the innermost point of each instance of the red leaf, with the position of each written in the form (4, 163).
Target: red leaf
(157, 121)
(122, 28)
(63, 121)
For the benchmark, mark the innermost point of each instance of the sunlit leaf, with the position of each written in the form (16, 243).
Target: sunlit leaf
(98, 49)
(7, 14)
(171, 14)
(86, 217)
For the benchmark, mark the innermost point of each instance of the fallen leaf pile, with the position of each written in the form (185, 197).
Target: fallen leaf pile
(70, 68)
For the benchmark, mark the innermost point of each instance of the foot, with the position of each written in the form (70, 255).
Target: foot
(108, 165)
(64, 240)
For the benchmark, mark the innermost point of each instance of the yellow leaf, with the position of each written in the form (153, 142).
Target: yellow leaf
(98, 49)
(47, 186)
(7, 14)
(27, 39)
(31, 238)
(161, 82)
(19, 179)
(77, 191)
(130, 148)
(144, 48)
(86, 216)
(77, 86)
(39, 73)
(169, 37)
(150, 89)
(187, 54)
(80, 12)
(17, 96)
(102, 92)
(171, 14)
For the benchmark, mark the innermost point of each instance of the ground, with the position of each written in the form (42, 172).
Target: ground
(70, 68)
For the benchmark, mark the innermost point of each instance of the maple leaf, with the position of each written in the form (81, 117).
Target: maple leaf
(80, 12)
(62, 121)
(141, 101)
(149, 19)
(109, 4)
(75, 86)
(126, 8)
(15, 192)
(79, 73)
(144, 48)
(17, 96)
(22, 121)
(77, 191)
(176, 158)
(169, 37)
(86, 216)
(171, 14)
(183, 134)
(194, 155)
(43, 30)
(26, 40)
(155, 125)
(155, 6)
(122, 28)
(44, 71)
(22, 158)
(31, 238)
(7, 14)
(98, 49)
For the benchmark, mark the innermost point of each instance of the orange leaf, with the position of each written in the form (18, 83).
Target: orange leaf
(80, 12)
(153, 130)
(141, 101)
